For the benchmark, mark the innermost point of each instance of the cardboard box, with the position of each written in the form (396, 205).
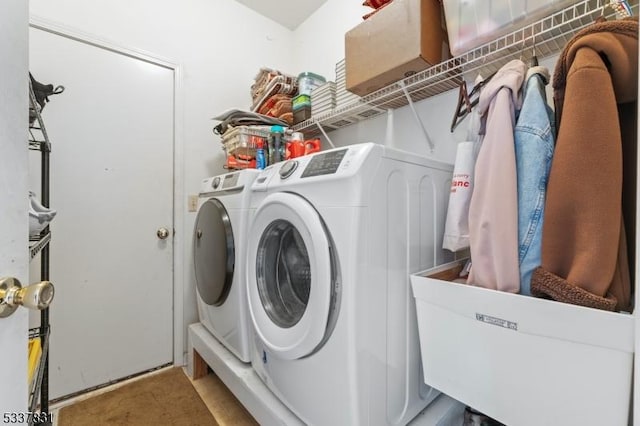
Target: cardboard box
(403, 38)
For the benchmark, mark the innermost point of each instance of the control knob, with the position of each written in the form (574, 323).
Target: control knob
(216, 182)
(288, 168)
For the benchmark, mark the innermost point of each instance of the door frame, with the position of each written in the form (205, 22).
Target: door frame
(179, 327)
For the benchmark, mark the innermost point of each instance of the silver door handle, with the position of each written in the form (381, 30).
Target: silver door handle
(35, 296)
(162, 233)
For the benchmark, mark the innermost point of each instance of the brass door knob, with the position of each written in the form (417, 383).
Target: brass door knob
(35, 296)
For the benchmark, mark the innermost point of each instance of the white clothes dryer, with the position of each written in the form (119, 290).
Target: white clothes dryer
(219, 242)
(333, 240)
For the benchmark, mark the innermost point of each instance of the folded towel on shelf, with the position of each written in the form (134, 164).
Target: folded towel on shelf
(276, 106)
(238, 117)
(269, 82)
(287, 117)
(262, 79)
(279, 85)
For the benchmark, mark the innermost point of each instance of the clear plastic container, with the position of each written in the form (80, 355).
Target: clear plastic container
(307, 81)
(471, 23)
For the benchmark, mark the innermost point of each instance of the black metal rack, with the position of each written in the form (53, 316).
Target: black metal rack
(39, 141)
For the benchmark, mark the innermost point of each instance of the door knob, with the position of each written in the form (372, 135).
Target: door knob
(35, 296)
(162, 233)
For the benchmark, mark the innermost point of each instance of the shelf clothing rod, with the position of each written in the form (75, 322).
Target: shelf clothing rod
(325, 134)
(416, 116)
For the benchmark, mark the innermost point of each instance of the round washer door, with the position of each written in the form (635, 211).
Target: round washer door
(213, 252)
(289, 276)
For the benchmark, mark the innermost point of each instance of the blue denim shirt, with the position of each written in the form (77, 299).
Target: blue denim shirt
(534, 143)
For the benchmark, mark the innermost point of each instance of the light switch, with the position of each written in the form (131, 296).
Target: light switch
(193, 203)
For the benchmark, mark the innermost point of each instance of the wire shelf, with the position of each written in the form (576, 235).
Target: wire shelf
(37, 244)
(550, 35)
(43, 334)
(38, 138)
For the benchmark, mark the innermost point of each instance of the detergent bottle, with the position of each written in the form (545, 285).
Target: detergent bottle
(276, 136)
(260, 157)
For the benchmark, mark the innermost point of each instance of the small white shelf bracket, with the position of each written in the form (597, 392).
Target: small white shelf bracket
(416, 116)
(325, 134)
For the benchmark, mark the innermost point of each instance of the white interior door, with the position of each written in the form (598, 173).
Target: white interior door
(14, 259)
(112, 135)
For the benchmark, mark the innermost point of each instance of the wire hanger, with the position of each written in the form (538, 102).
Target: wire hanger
(463, 106)
(533, 61)
(467, 100)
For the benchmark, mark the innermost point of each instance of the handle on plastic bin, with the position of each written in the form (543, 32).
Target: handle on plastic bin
(311, 145)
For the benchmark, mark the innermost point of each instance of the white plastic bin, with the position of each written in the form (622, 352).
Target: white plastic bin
(471, 23)
(522, 360)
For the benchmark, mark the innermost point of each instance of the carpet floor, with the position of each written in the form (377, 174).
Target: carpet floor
(164, 399)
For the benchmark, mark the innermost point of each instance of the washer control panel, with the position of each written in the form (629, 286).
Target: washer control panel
(325, 163)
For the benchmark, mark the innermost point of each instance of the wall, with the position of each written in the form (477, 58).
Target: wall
(220, 45)
(318, 43)
(219, 59)
(14, 260)
(399, 128)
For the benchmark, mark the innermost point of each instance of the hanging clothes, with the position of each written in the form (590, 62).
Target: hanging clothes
(534, 141)
(493, 211)
(591, 190)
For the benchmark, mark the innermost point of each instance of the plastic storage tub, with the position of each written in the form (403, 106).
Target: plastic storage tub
(239, 141)
(307, 81)
(471, 23)
(522, 360)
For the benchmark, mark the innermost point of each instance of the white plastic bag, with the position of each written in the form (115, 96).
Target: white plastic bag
(456, 230)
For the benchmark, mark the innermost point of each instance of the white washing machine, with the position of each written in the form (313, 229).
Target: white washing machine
(219, 243)
(333, 240)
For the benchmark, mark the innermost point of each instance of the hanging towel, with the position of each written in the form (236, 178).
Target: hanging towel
(493, 212)
(591, 191)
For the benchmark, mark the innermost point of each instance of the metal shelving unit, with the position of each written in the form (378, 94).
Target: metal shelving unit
(36, 245)
(35, 387)
(550, 35)
(39, 141)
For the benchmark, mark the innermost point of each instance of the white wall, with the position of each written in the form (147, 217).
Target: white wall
(220, 45)
(319, 53)
(318, 43)
(14, 260)
(399, 128)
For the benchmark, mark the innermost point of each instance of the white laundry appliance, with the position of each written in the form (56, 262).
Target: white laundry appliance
(333, 240)
(219, 242)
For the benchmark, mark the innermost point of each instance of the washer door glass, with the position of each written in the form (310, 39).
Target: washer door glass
(283, 273)
(291, 285)
(213, 252)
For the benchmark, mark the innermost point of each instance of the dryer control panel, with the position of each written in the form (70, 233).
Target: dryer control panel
(227, 183)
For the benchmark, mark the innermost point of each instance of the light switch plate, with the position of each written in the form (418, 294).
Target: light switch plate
(193, 203)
